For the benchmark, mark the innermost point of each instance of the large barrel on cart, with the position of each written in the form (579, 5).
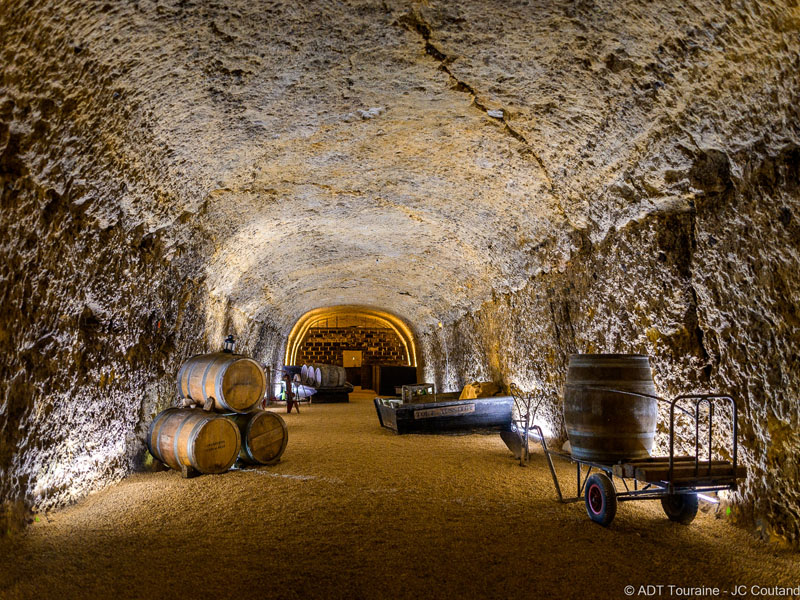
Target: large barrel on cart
(604, 425)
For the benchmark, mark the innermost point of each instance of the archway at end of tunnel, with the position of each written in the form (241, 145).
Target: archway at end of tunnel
(377, 349)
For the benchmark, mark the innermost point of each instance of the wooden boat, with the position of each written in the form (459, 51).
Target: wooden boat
(448, 413)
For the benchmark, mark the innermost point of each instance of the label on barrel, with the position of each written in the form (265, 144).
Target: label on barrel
(445, 411)
(215, 446)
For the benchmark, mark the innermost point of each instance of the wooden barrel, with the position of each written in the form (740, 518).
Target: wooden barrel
(264, 436)
(184, 437)
(331, 376)
(605, 426)
(313, 376)
(236, 383)
(307, 375)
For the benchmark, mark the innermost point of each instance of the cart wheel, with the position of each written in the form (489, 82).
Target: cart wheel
(681, 508)
(601, 499)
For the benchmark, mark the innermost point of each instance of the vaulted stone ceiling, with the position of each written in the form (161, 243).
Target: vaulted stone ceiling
(347, 153)
(540, 177)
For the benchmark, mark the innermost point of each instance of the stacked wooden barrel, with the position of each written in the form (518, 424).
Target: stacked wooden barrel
(319, 375)
(231, 382)
(229, 426)
(264, 436)
(309, 375)
(329, 382)
(331, 376)
(185, 438)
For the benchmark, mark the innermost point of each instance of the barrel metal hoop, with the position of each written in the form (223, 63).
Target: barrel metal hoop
(175, 441)
(190, 449)
(203, 379)
(597, 388)
(151, 430)
(263, 378)
(246, 438)
(180, 372)
(218, 385)
(189, 379)
(601, 388)
(590, 432)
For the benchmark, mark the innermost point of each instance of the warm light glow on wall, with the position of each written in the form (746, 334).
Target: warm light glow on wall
(308, 320)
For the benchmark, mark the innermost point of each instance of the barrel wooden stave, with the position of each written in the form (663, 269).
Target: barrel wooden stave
(154, 433)
(605, 426)
(194, 438)
(234, 382)
(315, 377)
(264, 436)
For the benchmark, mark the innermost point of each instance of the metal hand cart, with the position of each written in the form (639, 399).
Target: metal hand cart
(675, 480)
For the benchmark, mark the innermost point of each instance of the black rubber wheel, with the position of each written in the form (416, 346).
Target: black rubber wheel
(681, 508)
(601, 499)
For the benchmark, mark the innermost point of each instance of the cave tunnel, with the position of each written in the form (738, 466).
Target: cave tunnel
(476, 192)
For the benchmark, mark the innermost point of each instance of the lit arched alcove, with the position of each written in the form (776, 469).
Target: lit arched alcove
(335, 321)
(313, 317)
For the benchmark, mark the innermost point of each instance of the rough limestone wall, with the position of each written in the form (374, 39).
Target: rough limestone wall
(746, 271)
(101, 281)
(710, 294)
(94, 316)
(99, 316)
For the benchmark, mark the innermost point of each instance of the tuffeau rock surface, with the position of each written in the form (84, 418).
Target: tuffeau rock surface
(541, 178)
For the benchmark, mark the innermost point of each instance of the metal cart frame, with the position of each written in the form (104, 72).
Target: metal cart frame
(678, 494)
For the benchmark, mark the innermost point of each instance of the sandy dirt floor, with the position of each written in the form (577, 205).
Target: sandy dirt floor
(355, 511)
